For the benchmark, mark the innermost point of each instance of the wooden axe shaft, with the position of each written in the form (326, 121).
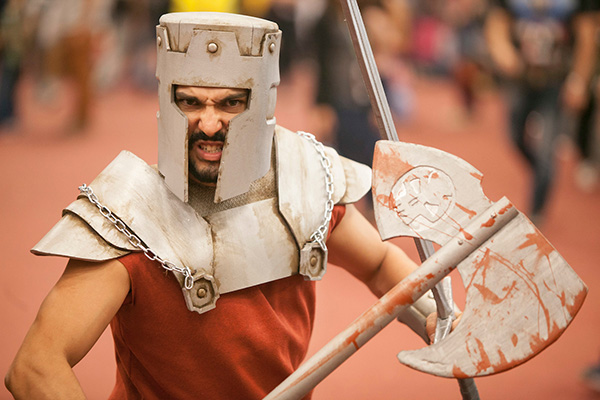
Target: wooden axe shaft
(390, 305)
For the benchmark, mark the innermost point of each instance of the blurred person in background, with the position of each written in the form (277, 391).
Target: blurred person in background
(341, 96)
(470, 69)
(591, 377)
(283, 12)
(544, 50)
(389, 24)
(15, 39)
(64, 37)
(137, 20)
(341, 99)
(587, 129)
(434, 41)
(588, 171)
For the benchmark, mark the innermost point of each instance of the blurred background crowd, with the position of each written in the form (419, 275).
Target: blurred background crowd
(542, 53)
(540, 56)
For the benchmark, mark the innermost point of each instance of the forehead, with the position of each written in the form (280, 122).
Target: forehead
(203, 92)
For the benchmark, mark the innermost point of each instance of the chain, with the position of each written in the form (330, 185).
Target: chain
(320, 234)
(133, 239)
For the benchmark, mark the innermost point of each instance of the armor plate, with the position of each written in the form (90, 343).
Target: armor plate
(232, 249)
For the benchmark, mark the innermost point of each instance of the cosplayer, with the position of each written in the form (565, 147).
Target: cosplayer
(204, 266)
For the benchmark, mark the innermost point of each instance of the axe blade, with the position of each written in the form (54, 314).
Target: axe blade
(424, 192)
(520, 293)
(520, 297)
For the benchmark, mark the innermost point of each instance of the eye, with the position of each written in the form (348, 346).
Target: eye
(234, 105)
(186, 102)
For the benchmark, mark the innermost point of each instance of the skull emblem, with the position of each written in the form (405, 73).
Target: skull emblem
(422, 196)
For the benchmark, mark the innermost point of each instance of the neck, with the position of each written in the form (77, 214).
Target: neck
(202, 195)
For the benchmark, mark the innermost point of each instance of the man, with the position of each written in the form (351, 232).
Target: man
(545, 52)
(238, 210)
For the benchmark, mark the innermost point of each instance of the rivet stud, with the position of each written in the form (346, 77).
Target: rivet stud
(212, 47)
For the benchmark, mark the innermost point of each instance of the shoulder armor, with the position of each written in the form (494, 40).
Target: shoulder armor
(352, 180)
(302, 184)
(357, 178)
(83, 233)
(72, 237)
(137, 194)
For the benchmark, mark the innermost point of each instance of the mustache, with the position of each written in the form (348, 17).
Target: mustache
(199, 135)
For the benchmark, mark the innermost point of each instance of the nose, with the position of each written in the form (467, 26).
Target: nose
(210, 121)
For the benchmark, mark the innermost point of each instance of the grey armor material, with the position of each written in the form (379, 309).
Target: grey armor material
(223, 256)
(227, 51)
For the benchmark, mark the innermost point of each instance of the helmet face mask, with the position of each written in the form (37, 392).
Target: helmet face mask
(215, 50)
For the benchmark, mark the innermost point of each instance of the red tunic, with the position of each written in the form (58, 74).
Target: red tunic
(254, 338)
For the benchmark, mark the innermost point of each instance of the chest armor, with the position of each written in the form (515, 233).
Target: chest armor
(263, 238)
(252, 244)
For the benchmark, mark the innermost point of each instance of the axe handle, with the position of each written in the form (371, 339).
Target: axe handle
(442, 294)
(346, 343)
(390, 305)
(468, 388)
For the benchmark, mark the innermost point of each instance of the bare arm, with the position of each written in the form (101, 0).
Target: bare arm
(503, 53)
(70, 320)
(576, 87)
(356, 246)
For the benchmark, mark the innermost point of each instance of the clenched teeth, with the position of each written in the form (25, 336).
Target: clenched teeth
(211, 148)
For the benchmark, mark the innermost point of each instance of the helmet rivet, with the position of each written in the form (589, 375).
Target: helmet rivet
(212, 47)
(159, 41)
(272, 47)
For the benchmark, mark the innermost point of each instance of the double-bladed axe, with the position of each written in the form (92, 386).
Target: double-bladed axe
(520, 293)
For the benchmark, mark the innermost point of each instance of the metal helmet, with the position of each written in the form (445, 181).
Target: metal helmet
(218, 50)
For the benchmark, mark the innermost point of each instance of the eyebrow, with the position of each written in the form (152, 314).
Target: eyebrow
(180, 95)
(236, 96)
(184, 96)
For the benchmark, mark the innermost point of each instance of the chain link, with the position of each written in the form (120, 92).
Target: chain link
(320, 235)
(134, 240)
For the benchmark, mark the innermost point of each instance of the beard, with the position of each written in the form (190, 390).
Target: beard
(204, 171)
